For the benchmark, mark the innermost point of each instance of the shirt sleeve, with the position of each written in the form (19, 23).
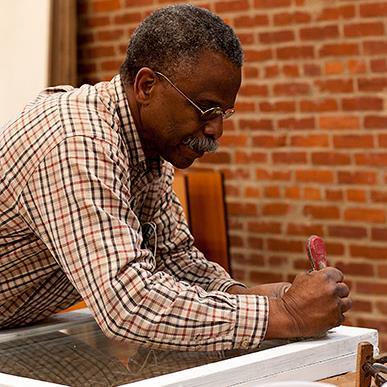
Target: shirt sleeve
(78, 203)
(175, 250)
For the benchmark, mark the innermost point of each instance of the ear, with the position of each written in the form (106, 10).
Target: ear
(143, 85)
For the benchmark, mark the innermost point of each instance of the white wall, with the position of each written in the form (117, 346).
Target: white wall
(24, 45)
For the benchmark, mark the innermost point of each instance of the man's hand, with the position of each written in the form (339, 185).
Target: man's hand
(315, 302)
(276, 289)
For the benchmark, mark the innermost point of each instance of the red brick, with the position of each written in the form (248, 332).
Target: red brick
(271, 71)
(374, 159)
(379, 196)
(312, 70)
(363, 103)
(365, 215)
(276, 37)
(275, 244)
(382, 139)
(256, 124)
(291, 70)
(379, 234)
(100, 52)
(339, 122)
(304, 229)
(324, 105)
(272, 192)
(269, 141)
(132, 3)
(372, 84)
(382, 271)
(278, 107)
(106, 5)
(345, 232)
(233, 140)
(322, 212)
(356, 66)
(109, 35)
(376, 9)
(381, 306)
(319, 33)
(330, 158)
(287, 18)
(310, 141)
(334, 194)
(251, 21)
(96, 21)
(353, 141)
(374, 288)
(356, 195)
(335, 85)
(293, 192)
(246, 38)
(356, 177)
(339, 49)
(334, 68)
(311, 193)
(271, 3)
(375, 122)
(253, 55)
(292, 123)
(356, 269)
(245, 157)
(110, 65)
(250, 72)
(295, 52)
(252, 192)
(263, 174)
(294, 88)
(275, 209)
(315, 176)
(231, 6)
(242, 106)
(127, 18)
(338, 12)
(289, 157)
(242, 209)
(364, 29)
(254, 90)
(255, 243)
(379, 65)
(265, 227)
(375, 48)
(361, 306)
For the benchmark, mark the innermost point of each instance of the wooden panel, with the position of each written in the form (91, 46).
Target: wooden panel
(208, 216)
(180, 188)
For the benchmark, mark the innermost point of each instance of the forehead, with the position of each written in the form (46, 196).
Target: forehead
(212, 78)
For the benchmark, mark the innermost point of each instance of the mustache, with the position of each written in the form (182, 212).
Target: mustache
(201, 144)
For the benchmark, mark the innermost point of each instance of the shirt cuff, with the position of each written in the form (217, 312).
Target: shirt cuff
(223, 284)
(251, 321)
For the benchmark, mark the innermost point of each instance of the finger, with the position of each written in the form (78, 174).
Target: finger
(333, 273)
(342, 289)
(346, 304)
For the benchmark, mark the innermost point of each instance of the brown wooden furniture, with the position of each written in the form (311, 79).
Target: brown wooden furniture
(201, 193)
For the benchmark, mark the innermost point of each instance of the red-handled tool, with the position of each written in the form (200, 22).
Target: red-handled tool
(317, 252)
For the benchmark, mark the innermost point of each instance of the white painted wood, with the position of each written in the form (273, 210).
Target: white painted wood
(305, 360)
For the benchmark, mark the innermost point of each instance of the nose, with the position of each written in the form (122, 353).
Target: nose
(214, 127)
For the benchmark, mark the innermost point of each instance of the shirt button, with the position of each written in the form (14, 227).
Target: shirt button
(245, 344)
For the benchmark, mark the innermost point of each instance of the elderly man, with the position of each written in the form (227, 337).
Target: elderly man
(88, 210)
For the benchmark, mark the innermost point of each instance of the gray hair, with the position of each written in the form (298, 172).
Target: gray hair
(174, 37)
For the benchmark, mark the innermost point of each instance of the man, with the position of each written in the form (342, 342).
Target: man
(87, 208)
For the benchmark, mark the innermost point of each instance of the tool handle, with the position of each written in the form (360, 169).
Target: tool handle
(317, 252)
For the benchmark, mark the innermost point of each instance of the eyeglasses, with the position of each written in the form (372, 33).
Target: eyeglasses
(205, 115)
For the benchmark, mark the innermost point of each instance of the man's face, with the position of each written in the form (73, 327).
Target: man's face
(169, 119)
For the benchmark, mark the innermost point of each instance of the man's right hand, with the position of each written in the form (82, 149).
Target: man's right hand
(314, 303)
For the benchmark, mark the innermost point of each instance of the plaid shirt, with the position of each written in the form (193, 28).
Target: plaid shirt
(76, 195)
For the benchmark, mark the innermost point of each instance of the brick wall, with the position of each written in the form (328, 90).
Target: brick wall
(306, 152)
